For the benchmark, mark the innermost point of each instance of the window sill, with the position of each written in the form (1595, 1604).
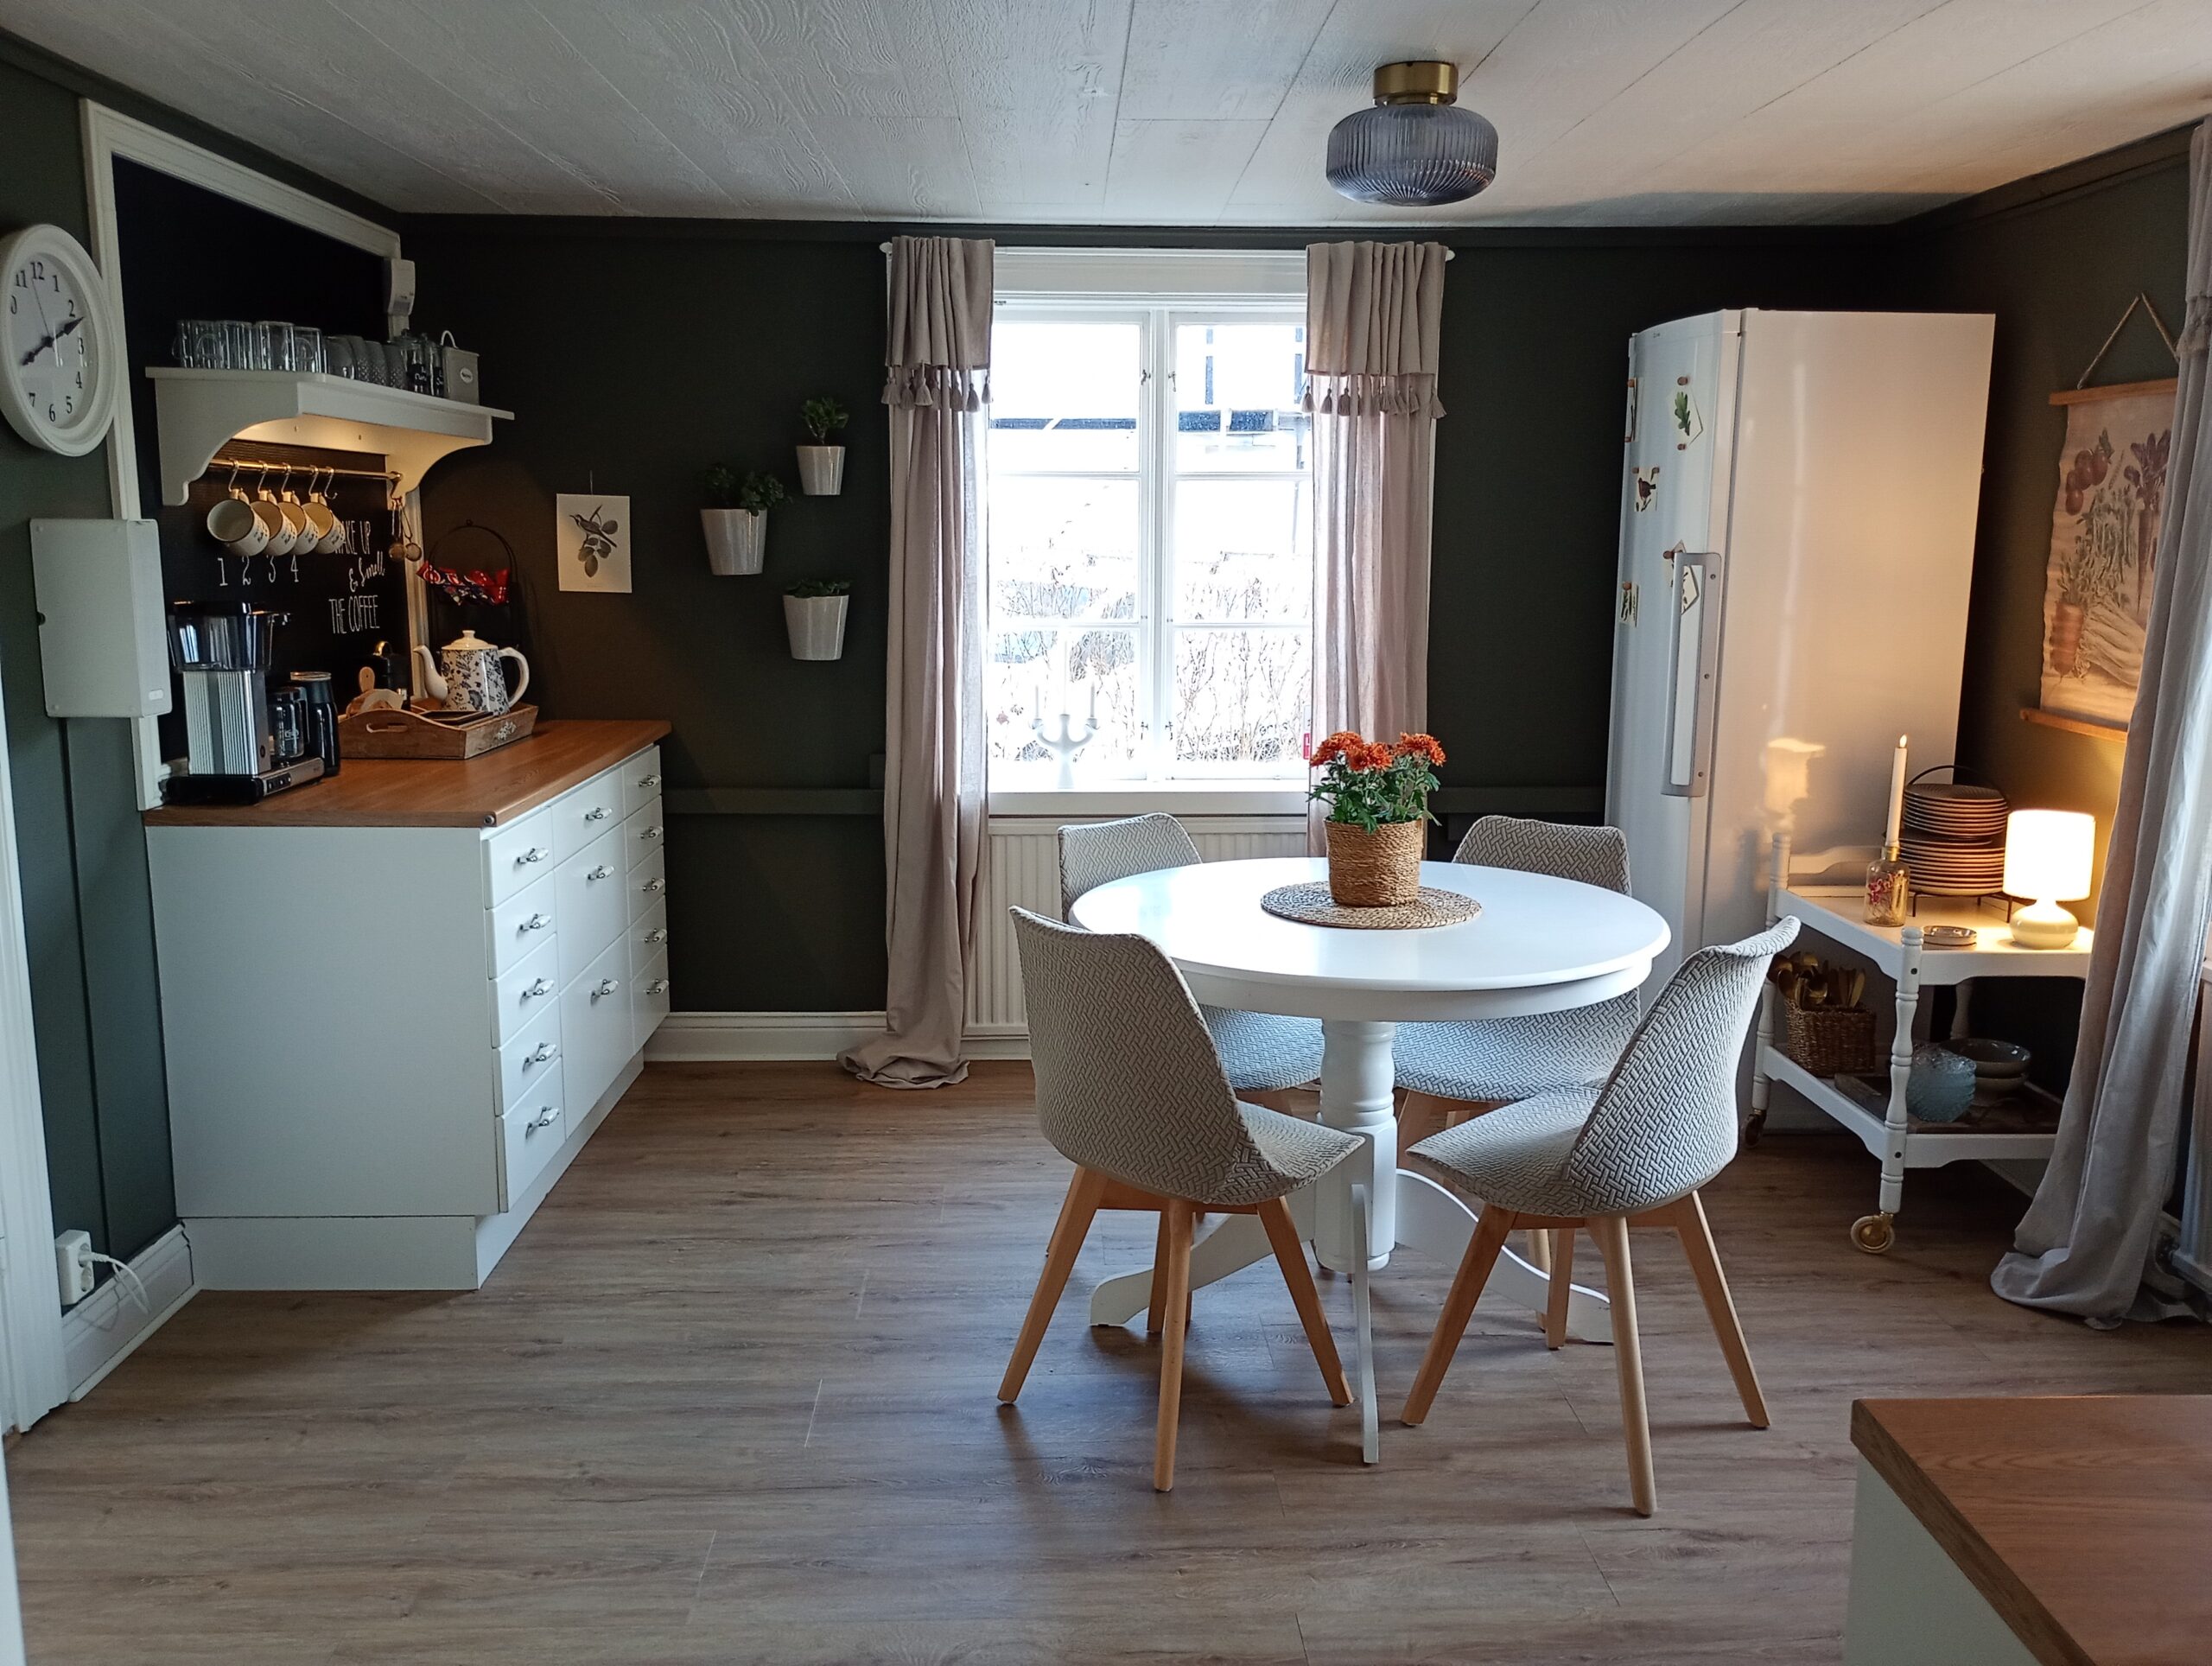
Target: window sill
(1137, 797)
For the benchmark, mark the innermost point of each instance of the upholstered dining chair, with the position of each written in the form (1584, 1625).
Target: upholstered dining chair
(1633, 1152)
(1477, 1063)
(1130, 1090)
(1261, 1052)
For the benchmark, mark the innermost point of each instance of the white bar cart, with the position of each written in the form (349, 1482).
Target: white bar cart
(1874, 1109)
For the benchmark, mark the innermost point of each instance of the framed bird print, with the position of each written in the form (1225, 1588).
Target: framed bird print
(591, 541)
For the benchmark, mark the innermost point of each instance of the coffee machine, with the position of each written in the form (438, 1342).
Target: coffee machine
(241, 744)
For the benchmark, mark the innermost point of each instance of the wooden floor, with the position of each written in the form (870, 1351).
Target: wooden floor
(730, 1399)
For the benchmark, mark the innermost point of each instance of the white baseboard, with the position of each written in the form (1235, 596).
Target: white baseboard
(106, 1328)
(762, 1037)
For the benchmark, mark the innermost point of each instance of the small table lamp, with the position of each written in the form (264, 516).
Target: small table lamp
(2049, 855)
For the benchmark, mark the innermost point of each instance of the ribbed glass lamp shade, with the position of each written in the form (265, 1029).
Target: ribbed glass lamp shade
(1412, 156)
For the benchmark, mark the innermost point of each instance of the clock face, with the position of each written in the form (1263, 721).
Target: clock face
(56, 382)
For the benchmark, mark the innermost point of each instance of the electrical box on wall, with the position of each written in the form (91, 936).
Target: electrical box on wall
(99, 629)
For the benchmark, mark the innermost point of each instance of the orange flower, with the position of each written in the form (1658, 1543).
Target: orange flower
(1342, 744)
(1421, 746)
(1375, 755)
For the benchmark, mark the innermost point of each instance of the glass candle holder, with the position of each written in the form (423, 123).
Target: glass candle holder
(1889, 889)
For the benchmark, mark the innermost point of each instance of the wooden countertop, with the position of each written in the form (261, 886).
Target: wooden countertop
(486, 792)
(2083, 1519)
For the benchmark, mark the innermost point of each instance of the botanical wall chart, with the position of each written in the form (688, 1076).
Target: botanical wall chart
(591, 541)
(2104, 541)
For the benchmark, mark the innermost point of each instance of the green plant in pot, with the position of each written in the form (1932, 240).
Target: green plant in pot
(814, 617)
(1378, 795)
(735, 520)
(822, 464)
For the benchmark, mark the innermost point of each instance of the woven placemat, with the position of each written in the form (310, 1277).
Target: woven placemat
(1312, 904)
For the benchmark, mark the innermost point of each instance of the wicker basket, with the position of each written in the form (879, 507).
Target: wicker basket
(1830, 1040)
(1378, 869)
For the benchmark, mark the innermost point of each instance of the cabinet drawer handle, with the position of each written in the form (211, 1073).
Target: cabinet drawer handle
(649, 782)
(597, 813)
(542, 1054)
(658, 934)
(601, 872)
(544, 1119)
(607, 986)
(536, 853)
(539, 987)
(536, 923)
(649, 832)
(658, 986)
(655, 884)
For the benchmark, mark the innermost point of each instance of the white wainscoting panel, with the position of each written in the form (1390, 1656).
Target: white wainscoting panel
(1024, 871)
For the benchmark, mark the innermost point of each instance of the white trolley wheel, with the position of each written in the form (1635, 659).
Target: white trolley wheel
(1874, 1233)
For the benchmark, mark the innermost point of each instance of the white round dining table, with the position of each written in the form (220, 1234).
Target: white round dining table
(1539, 943)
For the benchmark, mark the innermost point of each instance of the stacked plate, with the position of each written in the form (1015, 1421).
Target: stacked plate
(1953, 839)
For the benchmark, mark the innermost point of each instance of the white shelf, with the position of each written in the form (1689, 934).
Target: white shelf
(1839, 915)
(199, 411)
(1926, 1145)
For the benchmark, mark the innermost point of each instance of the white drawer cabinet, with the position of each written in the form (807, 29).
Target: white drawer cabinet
(459, 1006)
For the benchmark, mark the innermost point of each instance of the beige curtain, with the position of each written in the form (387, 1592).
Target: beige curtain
(2086, 1243)
(1374, 313)
(937, 386)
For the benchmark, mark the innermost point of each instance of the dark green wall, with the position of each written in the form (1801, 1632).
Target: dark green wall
(636, 354)
(86, 915)
(88, 919)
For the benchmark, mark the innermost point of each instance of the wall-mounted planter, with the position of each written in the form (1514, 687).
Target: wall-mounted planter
(736, 540)
(817, 624)
(821, 470)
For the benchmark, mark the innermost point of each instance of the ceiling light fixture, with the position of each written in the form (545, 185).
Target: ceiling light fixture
(1416, 149)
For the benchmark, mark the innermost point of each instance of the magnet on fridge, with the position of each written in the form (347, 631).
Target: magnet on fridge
(1687, 423)
(1647, 485)
(1630, 601)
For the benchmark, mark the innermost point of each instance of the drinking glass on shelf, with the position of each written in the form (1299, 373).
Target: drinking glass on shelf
(237, 344)
(257, 349)
(308, 348)
(200, 345)
(278, 337)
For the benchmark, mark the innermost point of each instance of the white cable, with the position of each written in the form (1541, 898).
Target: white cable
(125, 1270)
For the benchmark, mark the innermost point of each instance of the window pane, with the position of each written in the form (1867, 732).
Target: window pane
(1063, 548)
(1237, 388)
(1048, 671)
(1243, 549)
(1241, 698)
(1065, 395)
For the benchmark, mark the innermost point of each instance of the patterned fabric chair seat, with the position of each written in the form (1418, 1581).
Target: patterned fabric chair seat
(1261, 1052)
(1503, 1058)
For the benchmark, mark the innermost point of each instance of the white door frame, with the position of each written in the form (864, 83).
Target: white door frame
(107, 135)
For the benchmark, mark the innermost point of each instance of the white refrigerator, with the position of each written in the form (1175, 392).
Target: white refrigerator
(1797, 522)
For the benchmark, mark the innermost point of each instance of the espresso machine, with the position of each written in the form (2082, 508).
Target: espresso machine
(242, 743)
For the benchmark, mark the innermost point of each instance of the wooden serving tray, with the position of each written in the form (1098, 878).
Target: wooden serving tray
(387, 733)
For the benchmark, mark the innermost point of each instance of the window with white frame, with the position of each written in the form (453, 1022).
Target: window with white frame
(1150, 516)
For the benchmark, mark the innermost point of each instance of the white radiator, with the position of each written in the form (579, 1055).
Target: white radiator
(1024, 872)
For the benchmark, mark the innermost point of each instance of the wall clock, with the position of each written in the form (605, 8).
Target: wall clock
(63, 362)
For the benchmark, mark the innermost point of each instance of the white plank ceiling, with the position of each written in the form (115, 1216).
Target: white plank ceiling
(1198, 112)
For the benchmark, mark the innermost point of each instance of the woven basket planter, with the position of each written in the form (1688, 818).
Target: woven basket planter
(1830, 1040)
(1378, 869)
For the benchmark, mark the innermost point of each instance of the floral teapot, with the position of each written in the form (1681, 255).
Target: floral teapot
(466, 675)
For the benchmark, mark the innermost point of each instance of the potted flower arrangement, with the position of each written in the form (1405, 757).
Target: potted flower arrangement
(1378, 795)
(822, 465)
(736, 519)
(814, 615)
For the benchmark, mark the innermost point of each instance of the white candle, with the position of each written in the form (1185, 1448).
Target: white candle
(1897, 793)
(1094, 700)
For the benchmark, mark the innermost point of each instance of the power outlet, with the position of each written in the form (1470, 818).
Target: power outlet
(73, 1260)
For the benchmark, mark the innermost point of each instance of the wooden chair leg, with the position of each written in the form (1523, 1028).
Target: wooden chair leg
(1539, 1247)
(1562, 1287)
(1713, 1286)
(1612, 1234)
(1154, 1316)
(1068, 1234)
(1290, 1255)
(1458, 1307)
(1178, 1215)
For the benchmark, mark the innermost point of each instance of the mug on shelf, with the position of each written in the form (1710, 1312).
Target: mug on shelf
(235, 524)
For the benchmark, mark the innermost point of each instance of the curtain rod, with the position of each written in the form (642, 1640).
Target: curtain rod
(1093, 249)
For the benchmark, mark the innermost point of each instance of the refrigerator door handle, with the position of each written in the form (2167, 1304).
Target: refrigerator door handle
(1691, 707)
